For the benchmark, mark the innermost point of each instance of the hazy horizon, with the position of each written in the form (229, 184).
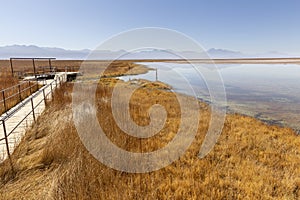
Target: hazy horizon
(9, 51)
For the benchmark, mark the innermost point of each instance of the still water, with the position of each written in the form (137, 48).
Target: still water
(270, 92)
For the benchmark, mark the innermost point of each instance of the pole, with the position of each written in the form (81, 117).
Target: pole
(51, 90)
(7, 146)
(11, 67)
(34, 70)
(4, 101)
(50, 65)
(19, 88)
(32, 109)
(59, 79)
(44, 96)
(30, 87)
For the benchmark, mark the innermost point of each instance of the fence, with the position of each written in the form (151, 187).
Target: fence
(11, 96)
(46, 92)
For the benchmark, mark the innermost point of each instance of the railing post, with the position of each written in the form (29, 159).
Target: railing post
(32, 109)
(59, 79)
(19, 88)
(4, 101)
(51, 90)
(11, 67)
(30, 87)
(7, 146)
(34, 70)
(50, 65)
(45, 101)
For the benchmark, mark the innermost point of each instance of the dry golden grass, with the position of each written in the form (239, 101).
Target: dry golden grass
(250, 161)
(11, 94)
(6, 80)
(115, 68)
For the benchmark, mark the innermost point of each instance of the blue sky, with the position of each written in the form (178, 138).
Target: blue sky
(250, 26)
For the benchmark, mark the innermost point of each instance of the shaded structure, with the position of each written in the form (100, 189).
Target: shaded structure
(45, 69)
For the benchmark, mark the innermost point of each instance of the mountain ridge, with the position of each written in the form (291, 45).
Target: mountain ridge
(60, 53)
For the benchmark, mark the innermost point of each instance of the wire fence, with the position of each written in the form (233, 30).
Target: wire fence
(35, 101)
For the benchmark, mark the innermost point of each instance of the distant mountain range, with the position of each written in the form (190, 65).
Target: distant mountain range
(35, 51)
(59, 53)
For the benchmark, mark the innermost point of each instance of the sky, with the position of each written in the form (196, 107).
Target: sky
(249, 26)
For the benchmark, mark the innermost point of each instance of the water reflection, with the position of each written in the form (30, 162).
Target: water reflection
(270, 92)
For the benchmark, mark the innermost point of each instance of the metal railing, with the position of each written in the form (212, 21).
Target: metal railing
(53, 85)
(11, 96)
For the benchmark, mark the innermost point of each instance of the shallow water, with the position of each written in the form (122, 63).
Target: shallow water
(270, 92)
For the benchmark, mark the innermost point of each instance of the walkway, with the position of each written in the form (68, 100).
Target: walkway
(17, 115)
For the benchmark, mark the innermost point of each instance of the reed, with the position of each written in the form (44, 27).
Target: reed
(251, 160)
(13, 91)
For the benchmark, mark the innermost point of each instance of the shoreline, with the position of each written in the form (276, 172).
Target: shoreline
(245, 145)
(295, 60)
(268, 120)
(229, 111)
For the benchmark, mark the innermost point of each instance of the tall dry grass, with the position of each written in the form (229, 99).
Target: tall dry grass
(115, 68)
(11, 92)
(6, 79)
(250, 161)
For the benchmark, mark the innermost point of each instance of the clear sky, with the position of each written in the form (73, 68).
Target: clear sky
(251, 26)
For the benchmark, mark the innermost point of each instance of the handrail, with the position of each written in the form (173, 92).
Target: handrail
(27, 100)
(14, 86)
(23, 90)
(16, 90)
(3, 120)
